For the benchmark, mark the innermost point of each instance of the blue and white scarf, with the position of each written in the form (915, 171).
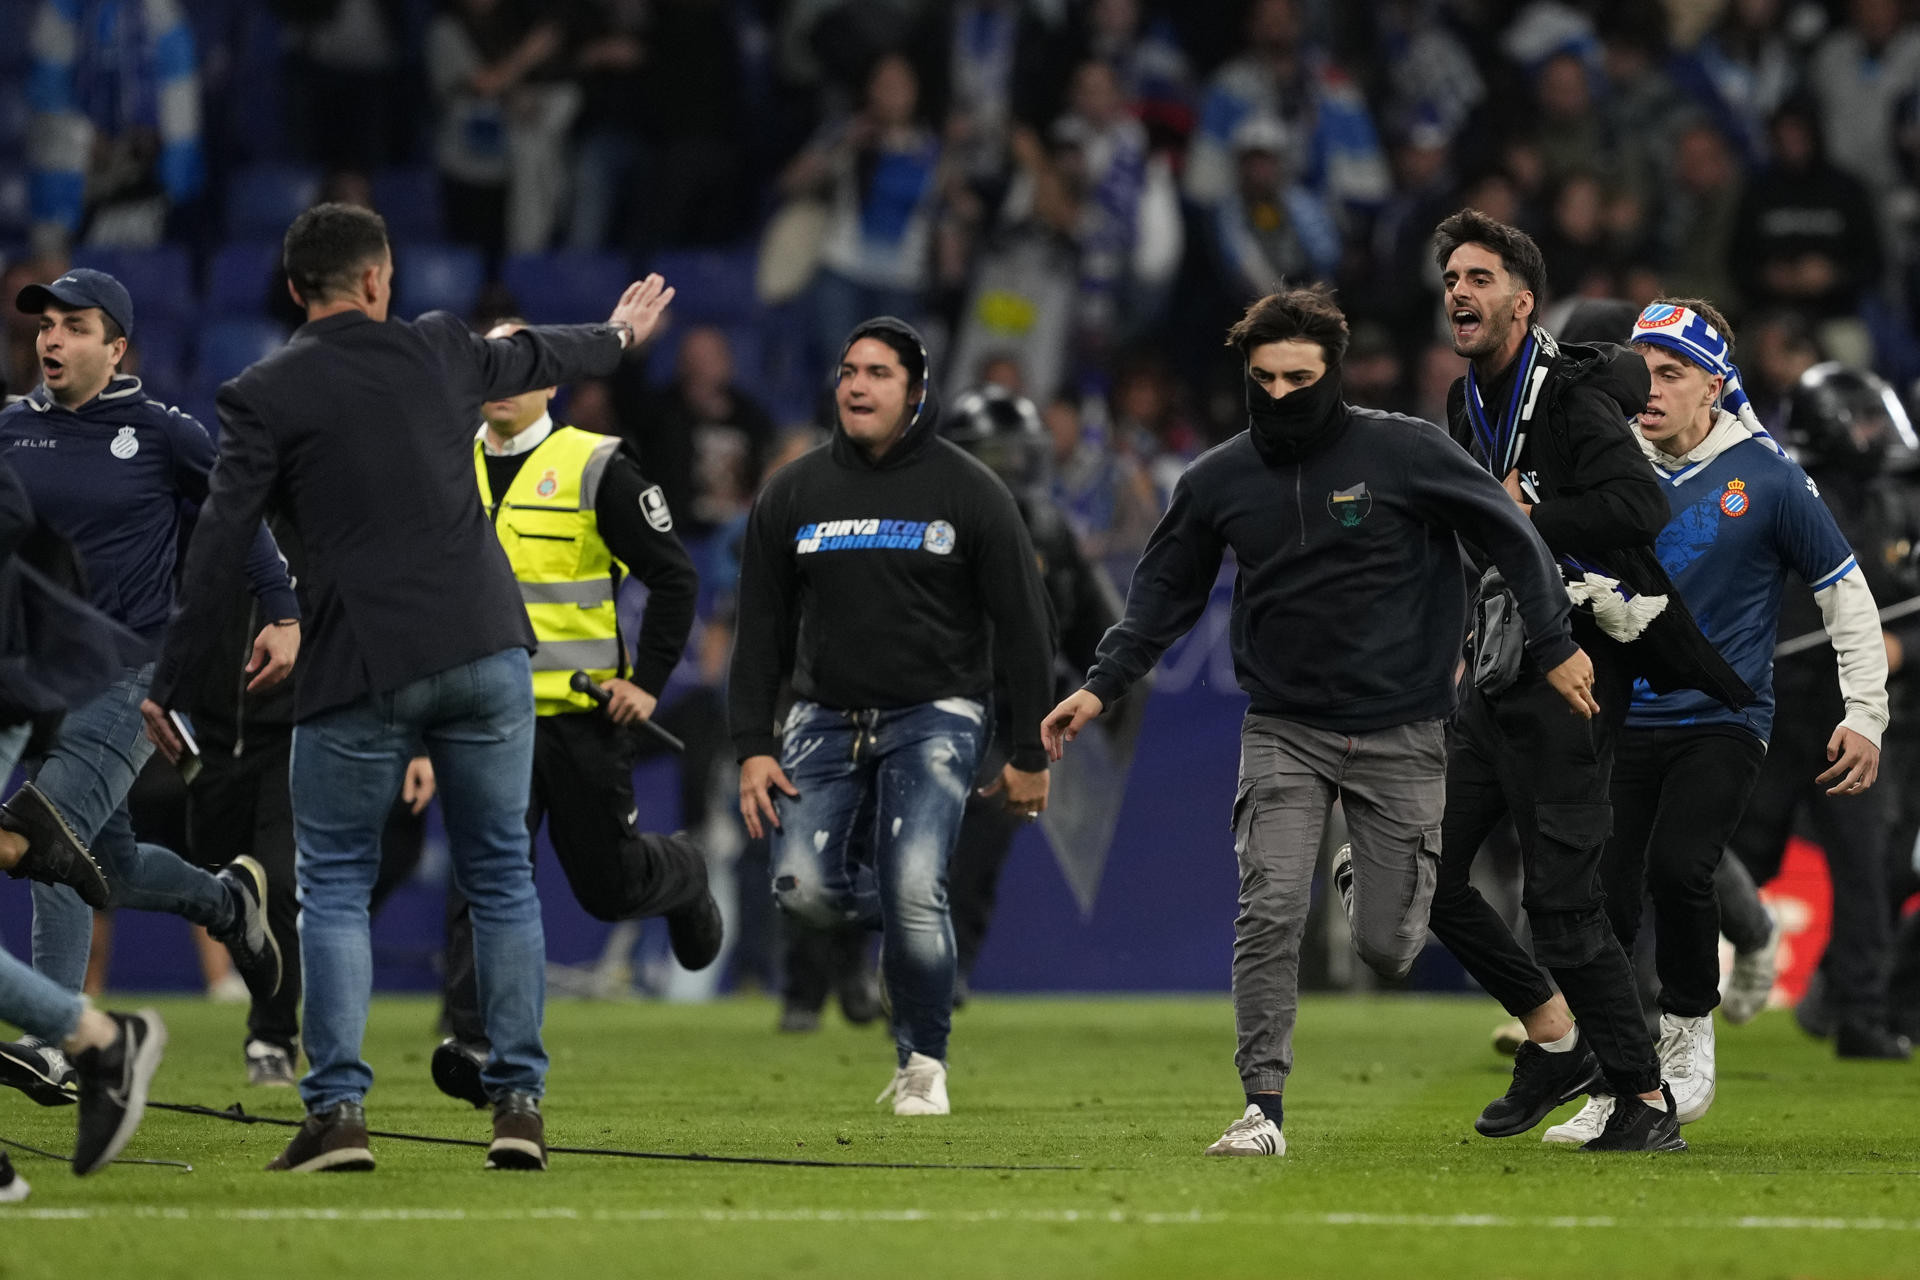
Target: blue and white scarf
(1503, 438)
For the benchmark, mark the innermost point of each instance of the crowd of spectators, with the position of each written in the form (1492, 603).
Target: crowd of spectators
(1072, 197)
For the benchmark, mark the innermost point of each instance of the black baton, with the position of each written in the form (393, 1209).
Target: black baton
(584, 683)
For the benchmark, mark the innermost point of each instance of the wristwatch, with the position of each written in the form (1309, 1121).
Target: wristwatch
(624, 331)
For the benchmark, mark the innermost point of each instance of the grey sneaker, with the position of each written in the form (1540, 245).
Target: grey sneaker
(256, 953)
(269, 1066)
(38, 1070)
(1750, 983)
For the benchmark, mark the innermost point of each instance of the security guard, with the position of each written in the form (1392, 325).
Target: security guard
(575, 516)
(1843, 424)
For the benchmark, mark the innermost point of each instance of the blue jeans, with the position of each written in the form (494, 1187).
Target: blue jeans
(476, 720)
(32, 1001)
(868, 839)
(99, 750)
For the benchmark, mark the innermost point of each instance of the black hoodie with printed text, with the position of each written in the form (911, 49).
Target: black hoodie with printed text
(880, 584)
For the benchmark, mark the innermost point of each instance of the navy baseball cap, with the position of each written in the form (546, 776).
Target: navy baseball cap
(81, 287)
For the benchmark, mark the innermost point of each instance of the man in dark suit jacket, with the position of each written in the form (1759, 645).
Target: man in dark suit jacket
(361, 432)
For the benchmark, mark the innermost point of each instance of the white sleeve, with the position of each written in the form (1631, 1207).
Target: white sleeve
(1853, 625)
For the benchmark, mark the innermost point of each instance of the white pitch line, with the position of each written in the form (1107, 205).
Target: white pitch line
(1093, 1217)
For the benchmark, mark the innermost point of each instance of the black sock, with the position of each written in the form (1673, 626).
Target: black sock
(1270, 1104)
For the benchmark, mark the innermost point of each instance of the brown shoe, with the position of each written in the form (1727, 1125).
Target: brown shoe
(332, 1141)
(519, 1134)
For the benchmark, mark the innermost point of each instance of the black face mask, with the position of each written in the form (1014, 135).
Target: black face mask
(1299, 423)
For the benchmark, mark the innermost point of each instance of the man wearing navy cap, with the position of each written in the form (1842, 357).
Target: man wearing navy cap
(111, 471)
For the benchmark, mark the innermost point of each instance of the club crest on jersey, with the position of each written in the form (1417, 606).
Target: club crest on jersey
(940, 538)
(1350, 506)
(549, 483)
(1735, 501)
(125, 444)
(654, 504)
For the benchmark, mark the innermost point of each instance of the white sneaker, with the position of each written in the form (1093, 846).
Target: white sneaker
(1686, 1059)
(919, 1088)
(1251, 1135)
(231, 989)
(1508, 1037)
(1749, 985)
(1586, 1125)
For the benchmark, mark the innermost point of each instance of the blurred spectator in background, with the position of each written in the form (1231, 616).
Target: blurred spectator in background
(692, 122)
(1280, 74)
(1271, 232)
(1386, 271)
(1694, 234)
(1114, 202)
(1429, 73)
(349, 99)
(1371, 373)
(702, 439)
(114, 91)
(1807, 239)
(504, 116)
(1153, 70)
(1742, 71)
(880, 172)
(1108, 496)
(1574, 242)
(985, 65)
(611, 59)
(1779, 347)
(1859, 74)
(1149, 424)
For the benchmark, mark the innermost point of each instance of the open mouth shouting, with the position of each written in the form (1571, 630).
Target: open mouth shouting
(1467, 326)
(52, 368)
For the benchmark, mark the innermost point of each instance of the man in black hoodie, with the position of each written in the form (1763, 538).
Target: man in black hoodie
(1550, 421)
(1349, 610)
(890, 576)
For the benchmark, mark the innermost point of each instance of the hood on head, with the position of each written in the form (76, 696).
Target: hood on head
(923, 422)
(1619, 371)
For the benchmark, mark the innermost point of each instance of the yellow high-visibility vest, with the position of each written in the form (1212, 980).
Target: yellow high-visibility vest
(567, 575)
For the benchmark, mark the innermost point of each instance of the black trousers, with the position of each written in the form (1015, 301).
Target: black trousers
(583, 791)
(1852, 830)
(241, 804)
(1525, 754)
(973, 875)
(1677, 796)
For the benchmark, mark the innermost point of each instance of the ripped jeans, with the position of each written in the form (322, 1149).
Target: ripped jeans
(868, 838)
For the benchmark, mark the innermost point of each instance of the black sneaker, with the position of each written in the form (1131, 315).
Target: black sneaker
(797, 1019)
(1635, 1126)
(256, 953)
(38, 1070)
(1871, 1041)
(1542, 1081)
(113, 1088)
(456, 1070)
(55, 852)
(695, 930)
(332, 1141)
(857, 986)
(519, 1134)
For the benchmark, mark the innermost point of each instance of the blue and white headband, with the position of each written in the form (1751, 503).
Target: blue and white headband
(1687, 334)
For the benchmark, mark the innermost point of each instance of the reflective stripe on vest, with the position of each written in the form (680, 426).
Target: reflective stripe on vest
(547, 527)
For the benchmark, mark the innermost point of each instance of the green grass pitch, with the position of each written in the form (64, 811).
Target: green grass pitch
(1806, 1166)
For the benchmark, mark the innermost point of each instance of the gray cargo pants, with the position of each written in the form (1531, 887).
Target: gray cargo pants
(1393, 785)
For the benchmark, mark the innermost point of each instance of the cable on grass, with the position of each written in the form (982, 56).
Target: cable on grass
(55, 1155)
(238, 1115)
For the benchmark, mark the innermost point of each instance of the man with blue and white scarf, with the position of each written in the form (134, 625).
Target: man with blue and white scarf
(1744, 515)
(1550, 420)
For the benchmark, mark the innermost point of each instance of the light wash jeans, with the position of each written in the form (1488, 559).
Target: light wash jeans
(868, 839)
(31, 1001)
(87, 773)
(476, 720)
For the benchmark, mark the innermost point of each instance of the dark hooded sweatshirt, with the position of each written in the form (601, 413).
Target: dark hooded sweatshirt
(1349, 607)
(890, 583)
(1597, 504)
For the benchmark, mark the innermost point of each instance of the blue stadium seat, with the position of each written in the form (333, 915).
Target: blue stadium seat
(566, 286)
(264, 198)
(160, 281)
(227, 347)
(408, 198)
(437, 277)
(713, 286)
(240, 277)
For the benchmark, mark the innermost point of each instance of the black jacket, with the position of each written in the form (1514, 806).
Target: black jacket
(1350, 602)
(361, 433)
(1597, 502)
(889, 584)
